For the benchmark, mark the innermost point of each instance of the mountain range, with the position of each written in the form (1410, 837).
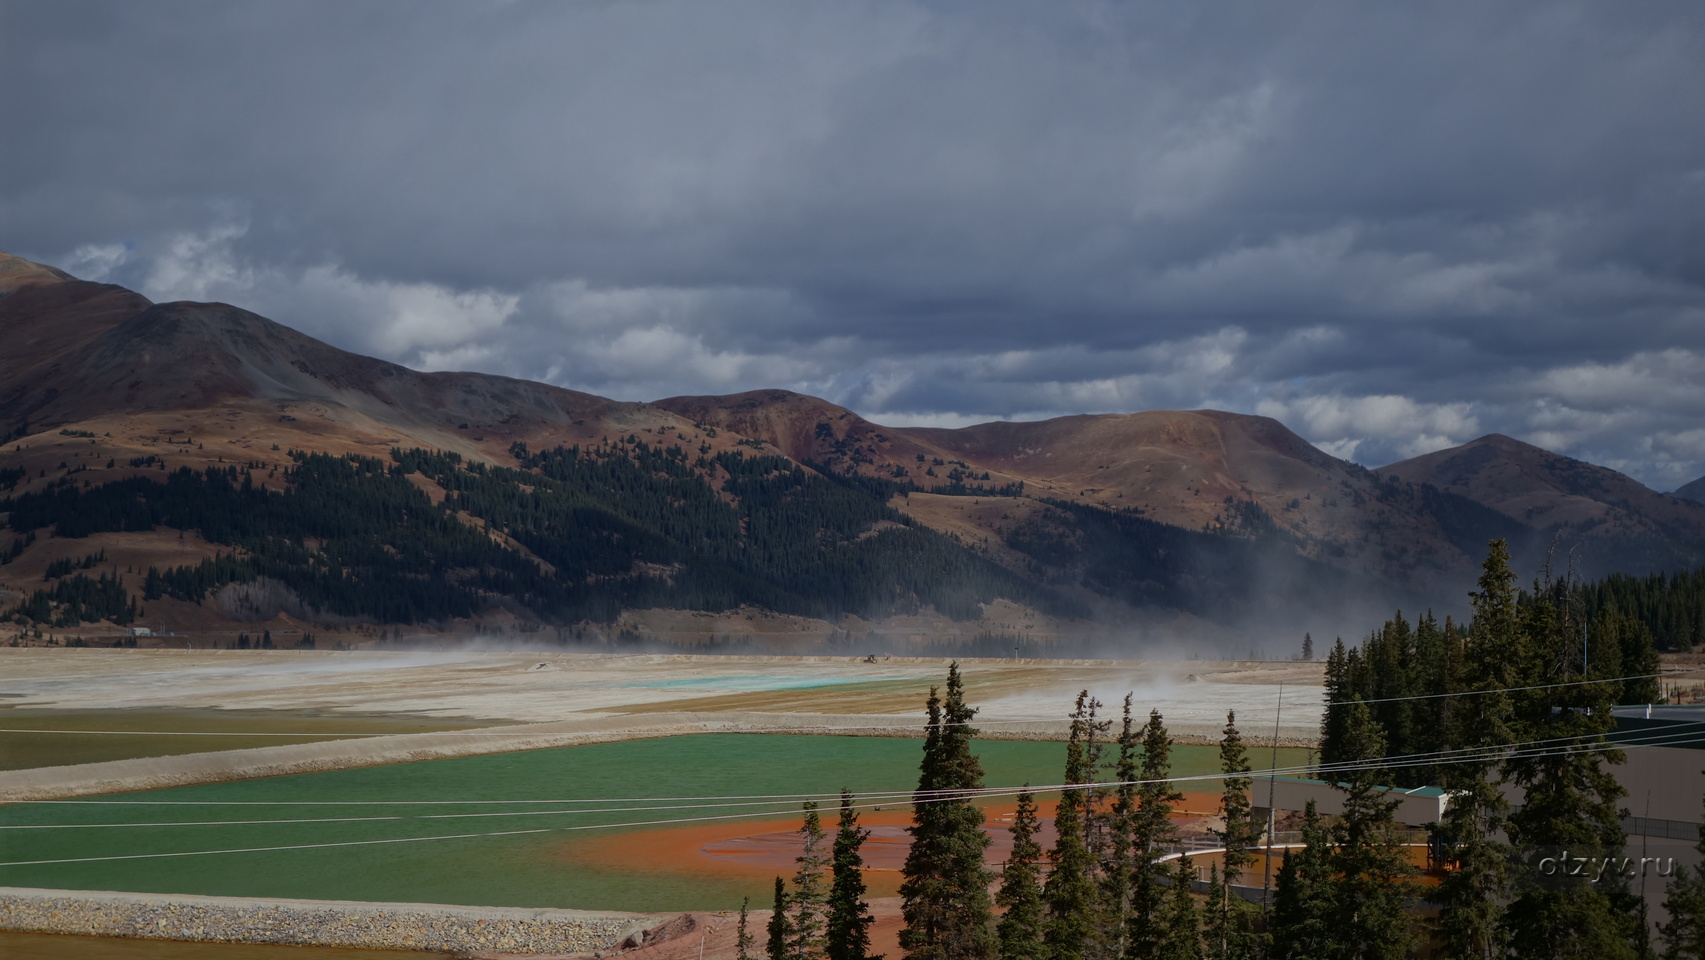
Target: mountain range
(1093, 519)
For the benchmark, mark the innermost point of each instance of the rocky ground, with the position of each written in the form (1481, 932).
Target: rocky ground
(461, 930)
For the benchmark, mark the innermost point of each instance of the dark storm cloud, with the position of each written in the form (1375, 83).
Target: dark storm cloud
(1394, 228)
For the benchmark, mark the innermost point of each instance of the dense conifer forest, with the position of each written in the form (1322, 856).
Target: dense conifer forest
(569, 534)
(577, 534)
(1508, 698)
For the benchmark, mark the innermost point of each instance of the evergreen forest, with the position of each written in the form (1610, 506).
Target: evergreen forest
(576, 534)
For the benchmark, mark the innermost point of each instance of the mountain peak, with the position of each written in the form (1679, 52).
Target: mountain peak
(1548, 490)
(1694, 491)
(17, 272)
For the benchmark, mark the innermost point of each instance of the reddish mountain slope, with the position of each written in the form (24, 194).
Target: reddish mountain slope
(97, 355)
(1544, 489)
(1611, 520)
(1195, 469)
(98, 374)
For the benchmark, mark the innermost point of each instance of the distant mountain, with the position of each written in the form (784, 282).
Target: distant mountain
(1694, 491)
(554, 506)
(1610, 520)
(93, 351)
(1200, 469)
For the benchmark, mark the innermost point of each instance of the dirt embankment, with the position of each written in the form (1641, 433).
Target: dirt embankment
(330, 923)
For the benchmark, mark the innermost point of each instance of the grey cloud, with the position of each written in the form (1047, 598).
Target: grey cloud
(1392, 226)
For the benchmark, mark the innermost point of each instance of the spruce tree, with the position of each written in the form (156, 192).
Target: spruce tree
(1303, 917)
(1372, 885)
(1230, 925)
(1570, 803)
(779, 930)
(848, 927)
(1151, 833)
(743, 939)
(1684, 900)
(1472, 895)
(1337, 691)
(1072, 929)
(806, 935)
(1116, 862)
(1183, 925)
(1020, 895)
(944, 896)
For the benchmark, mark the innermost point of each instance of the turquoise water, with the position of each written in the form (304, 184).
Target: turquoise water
(521, 869)
(757, 683)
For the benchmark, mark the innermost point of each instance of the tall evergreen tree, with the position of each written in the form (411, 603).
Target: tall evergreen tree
(1072, 931)
(945, 896)
(810, 901)
(1183, 923)
(1151, 833)
(779, 929)
(1570, 802)
(1230, 926)
(848, 926)
(1684, 900)
(1116, 861)
(1372, 884)
(1303, 917)
(743, 939)
(1472, 894)
(1338, 690)
(1020, 930)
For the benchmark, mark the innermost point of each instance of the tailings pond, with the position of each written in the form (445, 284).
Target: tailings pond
(620, 826)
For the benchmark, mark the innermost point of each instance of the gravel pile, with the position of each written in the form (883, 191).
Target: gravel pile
(315, 922)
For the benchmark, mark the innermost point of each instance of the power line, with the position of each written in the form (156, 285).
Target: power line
(873, 798)
(950, 796)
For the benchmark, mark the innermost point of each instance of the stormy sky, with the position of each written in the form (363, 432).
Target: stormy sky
(1395, 227)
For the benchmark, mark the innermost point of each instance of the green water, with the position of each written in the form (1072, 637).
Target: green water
(533, 869)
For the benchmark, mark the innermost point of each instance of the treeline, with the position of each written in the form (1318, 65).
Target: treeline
(1671, 606)
(570, 534)
(1410, 675)
(77, 600)
(1520, 697)
(1117, 883)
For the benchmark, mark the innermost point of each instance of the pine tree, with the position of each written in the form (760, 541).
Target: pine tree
(1472, 895)
(1231, 934)
(1308, 646)
(1372, 884)
(848, 928)
(1183, 925)
(1337, 691)
(944, 896)
(779, 930)
(1570, 801)
(1151, 833)
(1072, 929)
(1116, 868)
(743, 939)
(1020, 930)
(1684, 900)
(809, 899)
(1303, 908)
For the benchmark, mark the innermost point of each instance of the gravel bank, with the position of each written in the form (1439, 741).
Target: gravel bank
(326, 923)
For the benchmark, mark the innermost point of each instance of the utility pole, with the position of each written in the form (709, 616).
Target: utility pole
(1272, 766)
